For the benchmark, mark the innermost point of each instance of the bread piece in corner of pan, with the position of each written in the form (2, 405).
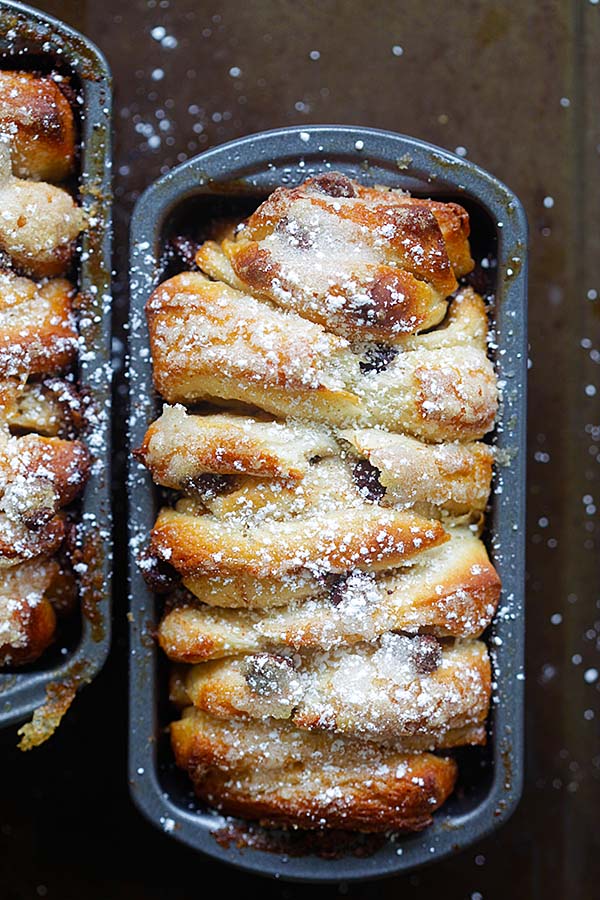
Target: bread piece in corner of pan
(27, 615)
(180, 448)
(450, 591)
(282, 777)
(409, 691)
(37, 117)
(39, 223)
(369, 264)
(38, 332)
(446, 394)
(444, 389)
(465, 325)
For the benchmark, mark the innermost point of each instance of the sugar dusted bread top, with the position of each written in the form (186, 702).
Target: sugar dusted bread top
(328, 386)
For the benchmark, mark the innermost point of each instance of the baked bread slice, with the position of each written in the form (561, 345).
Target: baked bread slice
(38, 120)
(366, 263)
(211, 342)
(179, 449)
(409, 691)
(38, 334)
(52, 407)
(18, 543)
(283, 777)
(27, 615)
(40, 475)
(373, 538)
(450, 591)
(39, 223)
(453, 477)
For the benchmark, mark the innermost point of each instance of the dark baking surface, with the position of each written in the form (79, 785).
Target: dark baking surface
(515, 85)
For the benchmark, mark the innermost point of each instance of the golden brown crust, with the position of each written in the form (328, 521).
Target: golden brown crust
(39, 475)
(454, 477)
(453, 221)
(452, 591)
(327, 485)
(39, 223)
(179, 448)
(331, 633)
(243, 591)
(27, 617)
(368, 264)
(373, 539)
(435, 395)
(52, 407)
(38, 335)
(37, 118)
(465, 325)
(18, 543)
(211, 342)
(406, 691)
(283, 777)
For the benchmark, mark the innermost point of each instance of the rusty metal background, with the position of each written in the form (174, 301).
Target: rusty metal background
(515, 84)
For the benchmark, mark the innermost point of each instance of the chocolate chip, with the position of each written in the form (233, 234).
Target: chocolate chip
(355, 583)
(206, 486)
(268, 674)
(160, 577)
(377, 358)
(298, 235)
(334, 184)
(337, 591)
(426, 652)
(36, 518)
(366, 477)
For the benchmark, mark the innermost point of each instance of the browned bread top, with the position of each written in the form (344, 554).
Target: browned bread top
(368, 263)
(38, 120)
(281, 776)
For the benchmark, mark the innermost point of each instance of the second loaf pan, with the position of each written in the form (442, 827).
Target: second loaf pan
(32, 40)
(232, 179)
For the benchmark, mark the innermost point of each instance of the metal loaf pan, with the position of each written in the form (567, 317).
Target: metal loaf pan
(31, 40)
(234, 178)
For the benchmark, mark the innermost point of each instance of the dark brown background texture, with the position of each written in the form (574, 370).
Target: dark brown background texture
(515, 84)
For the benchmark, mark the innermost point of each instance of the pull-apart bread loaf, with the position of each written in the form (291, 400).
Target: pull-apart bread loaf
(43, 464)
(327, 389)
